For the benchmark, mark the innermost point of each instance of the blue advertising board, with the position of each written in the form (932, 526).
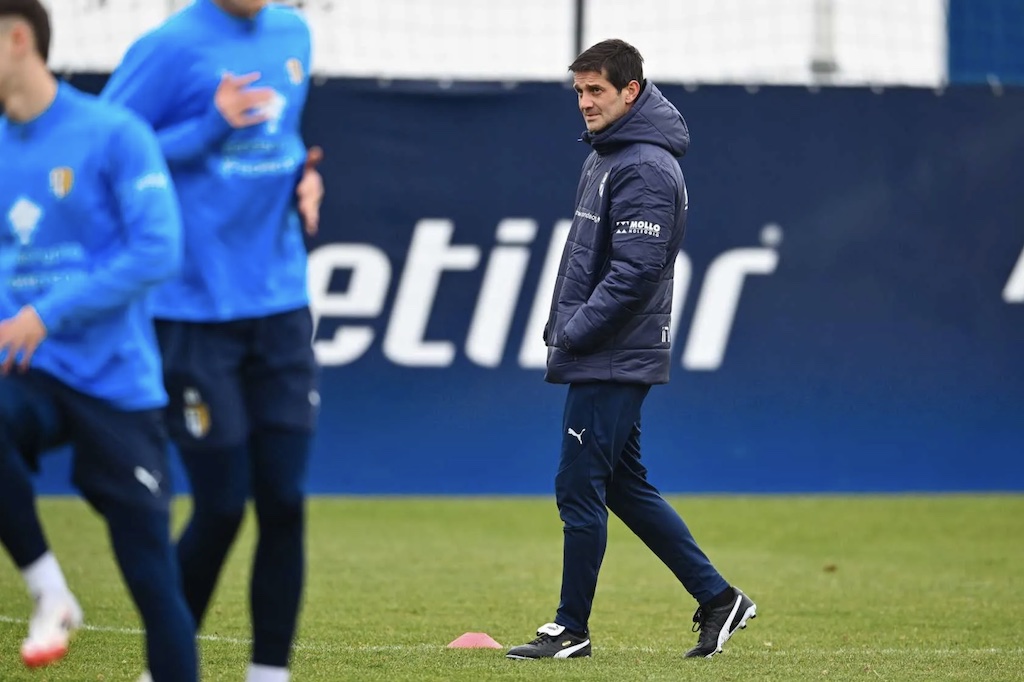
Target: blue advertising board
(985, 41)
(850, 298)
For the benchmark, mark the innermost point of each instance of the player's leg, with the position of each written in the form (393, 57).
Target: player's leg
(280, 458)
(596, 423)
(598, 419)
(121, 466)
(645, 512)
(281, 388)
(206, 420)
(632, 498)
(30, 423)
(149, 565)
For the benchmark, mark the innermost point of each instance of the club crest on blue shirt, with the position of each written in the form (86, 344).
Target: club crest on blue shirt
(62, 179)
(197, 414)
(295, 72)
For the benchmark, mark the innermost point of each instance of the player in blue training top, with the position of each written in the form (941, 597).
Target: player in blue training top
(224, 83)
(89, 222)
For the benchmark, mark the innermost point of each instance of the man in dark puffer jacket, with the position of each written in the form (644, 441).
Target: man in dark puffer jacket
(608, 338)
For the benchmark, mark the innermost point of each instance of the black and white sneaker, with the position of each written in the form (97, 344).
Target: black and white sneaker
(553, 641)
(716, 626)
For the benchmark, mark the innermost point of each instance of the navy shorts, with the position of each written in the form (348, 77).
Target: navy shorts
(118, 456)
(227, 379)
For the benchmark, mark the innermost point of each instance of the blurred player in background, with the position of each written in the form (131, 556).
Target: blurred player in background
(224, 84)
(608, 338)
(90, 223)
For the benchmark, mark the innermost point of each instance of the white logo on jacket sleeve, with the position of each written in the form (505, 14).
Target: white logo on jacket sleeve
(587, 215)
(637, 227)
(155, 180)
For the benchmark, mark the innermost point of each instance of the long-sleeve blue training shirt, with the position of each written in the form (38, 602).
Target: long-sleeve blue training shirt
(244, 252)
(90, 223)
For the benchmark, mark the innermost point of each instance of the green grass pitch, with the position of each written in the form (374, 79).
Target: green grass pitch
(848, 588)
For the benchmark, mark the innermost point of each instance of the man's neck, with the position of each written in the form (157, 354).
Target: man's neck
(32, 94)
(234, 11)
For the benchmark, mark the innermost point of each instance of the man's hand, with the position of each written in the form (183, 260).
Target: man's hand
(20, 335)
(310, 191)
(240, 105)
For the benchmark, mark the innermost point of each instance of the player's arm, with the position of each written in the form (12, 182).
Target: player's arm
(642, 197)
(152, 251)
(149, 82)
(309, 193)
(309, 188)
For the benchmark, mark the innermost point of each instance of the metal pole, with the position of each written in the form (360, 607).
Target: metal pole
(823, 57)
(580, 16)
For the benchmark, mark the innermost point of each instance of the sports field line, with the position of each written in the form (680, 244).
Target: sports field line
(371, 648)
(130, 631)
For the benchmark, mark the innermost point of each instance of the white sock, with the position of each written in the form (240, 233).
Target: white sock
(43, 576)
(266, 673)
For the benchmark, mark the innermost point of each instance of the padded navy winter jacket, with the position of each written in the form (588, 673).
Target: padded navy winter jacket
(612, 301)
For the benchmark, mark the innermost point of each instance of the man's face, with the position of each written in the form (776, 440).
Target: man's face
(11, 50)
(600, 103)
(243, 8)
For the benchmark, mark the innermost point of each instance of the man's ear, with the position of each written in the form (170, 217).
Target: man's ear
(632, 91)
(21, 37)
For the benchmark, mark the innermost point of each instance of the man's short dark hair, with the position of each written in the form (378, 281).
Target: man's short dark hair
(620, 61)
(33, 12)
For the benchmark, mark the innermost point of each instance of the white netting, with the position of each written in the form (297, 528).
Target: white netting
(889, 42)
(92, 35)
(779, 41)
